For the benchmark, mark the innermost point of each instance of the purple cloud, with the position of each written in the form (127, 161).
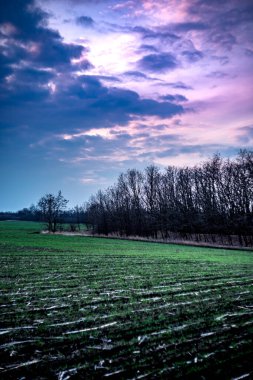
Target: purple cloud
(85, 21)
(158, 62)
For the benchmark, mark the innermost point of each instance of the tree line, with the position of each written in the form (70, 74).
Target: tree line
(213, 200)
(52, 210)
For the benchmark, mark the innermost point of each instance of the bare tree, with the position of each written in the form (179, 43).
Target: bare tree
(51, 208)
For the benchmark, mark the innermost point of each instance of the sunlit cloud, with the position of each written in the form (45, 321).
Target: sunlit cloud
(185, 159)
(105, 133)
(95, 180)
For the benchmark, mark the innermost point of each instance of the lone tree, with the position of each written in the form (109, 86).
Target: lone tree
(51, 208)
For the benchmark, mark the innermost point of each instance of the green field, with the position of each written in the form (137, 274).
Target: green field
(90, 308)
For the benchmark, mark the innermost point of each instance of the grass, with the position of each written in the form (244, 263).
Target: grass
(82, 307)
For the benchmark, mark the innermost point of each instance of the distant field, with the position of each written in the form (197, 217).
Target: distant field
(93, 308)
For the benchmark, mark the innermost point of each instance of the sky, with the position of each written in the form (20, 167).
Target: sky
(91, 88)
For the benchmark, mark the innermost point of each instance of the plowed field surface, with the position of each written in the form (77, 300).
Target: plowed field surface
(90, 308)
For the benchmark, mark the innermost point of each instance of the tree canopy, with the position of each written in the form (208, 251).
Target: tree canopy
(215, 197)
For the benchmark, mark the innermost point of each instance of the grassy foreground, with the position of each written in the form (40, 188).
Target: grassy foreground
(91, 308)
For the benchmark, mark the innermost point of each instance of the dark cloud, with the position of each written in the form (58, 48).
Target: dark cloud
(56, 53)
(28, 39)
(107, 78)
(223, 59)
(27, 85)
(85, 21)
(126, 102)
(84, 64)
(249, 52)
(226, 40)
(158, 62)
(32, 76)
(192, 56)
(229, 22)
(77, 103)
(157, 33)
(76, 2)
(179, 85)
(34, 62)
(235, 13)
(174, 98)
(42, 45)
(230, 12)
(220, 24)
(76, 89)
(25, 17)
(139, 29)
(150, 48)
(241, 14)
(137, 75)
(187, 26)
(217, 75)
(27, 93)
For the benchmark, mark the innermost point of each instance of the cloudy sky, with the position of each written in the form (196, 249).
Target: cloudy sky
(90, 88)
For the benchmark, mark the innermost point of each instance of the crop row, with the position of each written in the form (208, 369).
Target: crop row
(120, 316)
